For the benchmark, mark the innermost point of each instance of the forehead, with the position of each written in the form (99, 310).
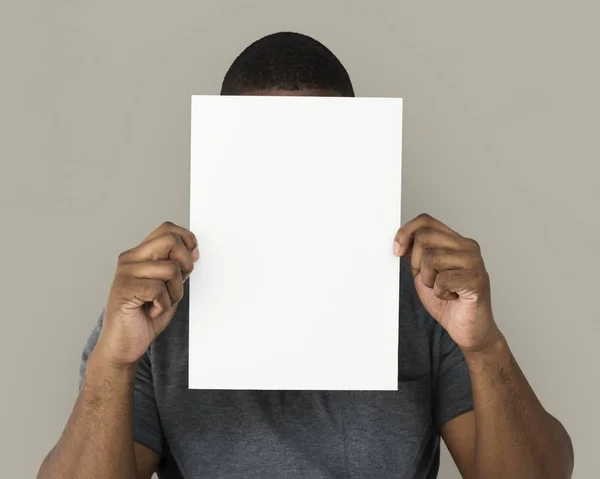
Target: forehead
(307, 92)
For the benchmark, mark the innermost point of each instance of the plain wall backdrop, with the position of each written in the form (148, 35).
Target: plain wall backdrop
(500, 142)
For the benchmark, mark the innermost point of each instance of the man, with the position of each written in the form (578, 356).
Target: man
(457, 378)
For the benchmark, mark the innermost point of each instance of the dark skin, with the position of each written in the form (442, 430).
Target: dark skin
(98, 439)
(509, 434)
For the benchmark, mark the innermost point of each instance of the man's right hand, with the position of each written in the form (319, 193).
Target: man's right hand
(147, 287)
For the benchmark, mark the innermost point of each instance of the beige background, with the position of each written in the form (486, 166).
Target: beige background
(501, 142)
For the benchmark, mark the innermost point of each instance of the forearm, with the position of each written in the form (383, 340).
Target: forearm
(516, 437)
(98, 439)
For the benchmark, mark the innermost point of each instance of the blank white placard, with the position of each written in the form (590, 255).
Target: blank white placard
(295, 202)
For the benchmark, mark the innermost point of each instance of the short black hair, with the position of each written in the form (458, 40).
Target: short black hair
(287, 61)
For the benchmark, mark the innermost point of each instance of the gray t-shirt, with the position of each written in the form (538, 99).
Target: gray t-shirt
(302, 434)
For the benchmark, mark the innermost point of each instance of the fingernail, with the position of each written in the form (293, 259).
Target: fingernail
(195, 254)
(397, 248)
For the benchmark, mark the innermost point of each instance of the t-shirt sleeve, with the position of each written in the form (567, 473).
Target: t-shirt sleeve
(453, 385)
(146, 423)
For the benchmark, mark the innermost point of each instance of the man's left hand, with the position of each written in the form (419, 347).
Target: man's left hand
(450, 279)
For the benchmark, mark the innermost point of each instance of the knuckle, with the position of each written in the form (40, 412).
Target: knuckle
(167, 225)
(421, 234)
(473, 244)
(169, 242)
(123, 256)
(424, 216)
(174, 238)
(186, 270)
(178, 296)
(174, 268)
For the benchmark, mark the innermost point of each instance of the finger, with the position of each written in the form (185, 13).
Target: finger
(404, 236)
(428, 238)
(169, 246)
(168, 272)
(140, 291)
(436, 260)
(450, 284)
(160, 305)
(188, 238)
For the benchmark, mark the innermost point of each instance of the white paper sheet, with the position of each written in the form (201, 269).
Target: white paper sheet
(295, 202)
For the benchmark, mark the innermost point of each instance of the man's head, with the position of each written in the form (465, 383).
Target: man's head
(287, 63)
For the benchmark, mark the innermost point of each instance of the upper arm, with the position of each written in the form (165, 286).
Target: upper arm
(146, 461)
(459, 436)
(454, 414)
